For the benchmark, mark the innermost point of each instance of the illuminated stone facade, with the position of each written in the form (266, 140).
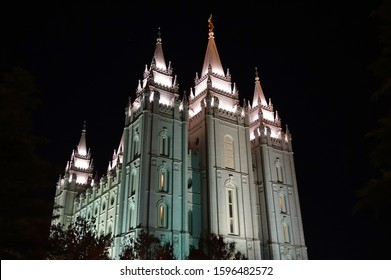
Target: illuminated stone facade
(191, 165)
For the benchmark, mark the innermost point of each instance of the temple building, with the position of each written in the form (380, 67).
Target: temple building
(192, 164)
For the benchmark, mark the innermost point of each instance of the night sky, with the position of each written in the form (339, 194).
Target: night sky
(313, 59)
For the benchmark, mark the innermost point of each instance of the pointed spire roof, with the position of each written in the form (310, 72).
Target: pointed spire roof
(82, 147)
(81, 165)
(258, 92)
(184, 97)
(212, 58)
(158, 57)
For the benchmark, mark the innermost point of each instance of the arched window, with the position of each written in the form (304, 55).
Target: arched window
(163, 143)
(163, 179)
(285, 232)
(131, 214)
(282, 202)
(229, 152)
(278, 166)
(162, 215)
(133, 182)
(232, 210)
(136, 145)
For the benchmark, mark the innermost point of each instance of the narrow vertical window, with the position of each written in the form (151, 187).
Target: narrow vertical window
(278, 166)
(130, 217)
(229, 152)
(133, 182)
(136, 145)
(285, 232)
(162, 216)
(131, 211)
(282, 202)
(190, 221)
(163, 143)
(232, 211)
(163, 179)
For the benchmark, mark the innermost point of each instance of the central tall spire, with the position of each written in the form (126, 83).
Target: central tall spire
(212, 58)
(213, 80)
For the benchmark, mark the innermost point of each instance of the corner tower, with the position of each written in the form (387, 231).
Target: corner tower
(279, 216)
(77, 178)
(154, 181)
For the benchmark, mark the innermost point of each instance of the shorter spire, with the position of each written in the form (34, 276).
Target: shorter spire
(259, 96)
(184, 97)
(287, 130)
(159, 34)
(84, 127)
(270, 104)
(82, 147)
(245, 105)
(277, 117)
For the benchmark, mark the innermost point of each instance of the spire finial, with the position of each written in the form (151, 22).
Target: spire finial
(256, 74)
(84, 127)
(210, 23)
(159, 35)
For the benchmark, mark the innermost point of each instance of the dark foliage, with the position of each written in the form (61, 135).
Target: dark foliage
(375, 196)
(78, 241)
(25, 178)
(147, 247)
(215, 248)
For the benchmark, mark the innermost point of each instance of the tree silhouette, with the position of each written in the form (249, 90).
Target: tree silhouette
(375, 195)
(215, 248)
(79, 241)
(147, 247)
(25, 178)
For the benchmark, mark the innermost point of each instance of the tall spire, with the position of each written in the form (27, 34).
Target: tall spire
(81, 166)
(213, 81)
(159, 73)
(212, 57)
(258, 92)
(82, 147)
(158, 57)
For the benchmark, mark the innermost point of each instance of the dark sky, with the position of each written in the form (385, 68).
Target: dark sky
(312, 57)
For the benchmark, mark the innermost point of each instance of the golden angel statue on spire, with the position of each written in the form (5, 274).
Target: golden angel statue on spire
(210, 23)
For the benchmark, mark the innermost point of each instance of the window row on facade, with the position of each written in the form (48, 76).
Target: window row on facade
(163, 143)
